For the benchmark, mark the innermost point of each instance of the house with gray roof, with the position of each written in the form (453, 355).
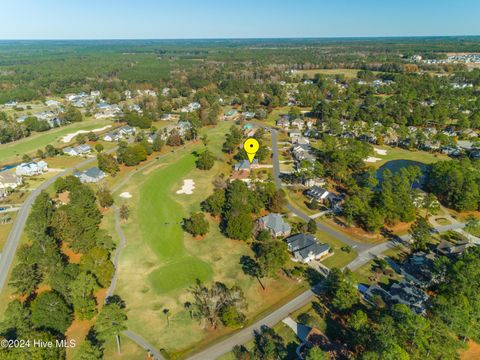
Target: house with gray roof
(92, 175)
(305, 248)
(275, 224)
(244, 165)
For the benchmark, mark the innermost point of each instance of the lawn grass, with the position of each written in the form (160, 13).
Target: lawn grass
(396, 153)
(340, 258)
(129, 350)
(296, 198)
(5, 229)
(156, 253)
(13, 152)
(348, 73)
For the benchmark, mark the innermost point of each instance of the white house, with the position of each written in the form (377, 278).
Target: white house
(306, 248)
(92, 175)
(52, 103)
(112, 136)
(8, 180)
(126, 130)
(31, 168)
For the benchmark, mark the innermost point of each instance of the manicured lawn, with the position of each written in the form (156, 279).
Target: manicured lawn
(13, 152)
(396, 153)
(160, 262)
(340, 258)
(364, 273)
(296, 198)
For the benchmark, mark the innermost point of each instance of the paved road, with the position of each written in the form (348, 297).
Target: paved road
(372, 253)
(278, 184)
(118, 250)
(144, 344)
(366, 253)
(244, 335)
(19, 224)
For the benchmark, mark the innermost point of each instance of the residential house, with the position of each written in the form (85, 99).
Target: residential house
(283, 123)
(78, 150)
(112, 136)
(136, 108)
(183, 127)
(92, 175)
(127, 94)
(408, 294)
(53, 103)
(244, 165)
(8, 180)
(418, 269)
(305, 248)
(166, 117)
(230, 114)
(11, 103)
(298, 123)
(318, 193)
(248, 115)
(126, 131)
(31, 168)
(303, 152)
(275, 224)
(452, 250)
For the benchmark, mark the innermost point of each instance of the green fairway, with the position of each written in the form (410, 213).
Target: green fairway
(12, 152)
(160, 218)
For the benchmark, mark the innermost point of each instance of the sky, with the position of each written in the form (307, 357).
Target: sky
(189, 19)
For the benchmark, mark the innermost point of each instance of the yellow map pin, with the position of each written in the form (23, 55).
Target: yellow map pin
(251, 147)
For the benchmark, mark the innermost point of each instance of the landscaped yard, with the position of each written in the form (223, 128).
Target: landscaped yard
(340, 258)
(13, 152)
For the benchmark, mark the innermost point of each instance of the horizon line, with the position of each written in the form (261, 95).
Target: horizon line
(244, 38)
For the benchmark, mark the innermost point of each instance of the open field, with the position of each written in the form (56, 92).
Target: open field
(13, 152)
(157, 266)
(348, 73)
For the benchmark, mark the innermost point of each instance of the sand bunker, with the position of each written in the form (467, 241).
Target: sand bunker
(372, 159)
(126, 195)
(187, 188)
(69, 137)
(380, 151)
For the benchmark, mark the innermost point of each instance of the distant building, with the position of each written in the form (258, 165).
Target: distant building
(9, 180)
(112, 136)
(275, 224)
(31, 168)
(52, 103)
(452, 250)
(92, 175)
(126, 130)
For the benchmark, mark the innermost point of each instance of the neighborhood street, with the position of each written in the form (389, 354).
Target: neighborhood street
(13, 239)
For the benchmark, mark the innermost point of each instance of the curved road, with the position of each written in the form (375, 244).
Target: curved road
(13, 239)
(246, 334)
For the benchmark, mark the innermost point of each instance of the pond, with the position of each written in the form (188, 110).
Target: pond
(396, 165)
(7, 167)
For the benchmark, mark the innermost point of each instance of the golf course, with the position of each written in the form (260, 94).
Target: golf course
(160, 217)
(160, 262)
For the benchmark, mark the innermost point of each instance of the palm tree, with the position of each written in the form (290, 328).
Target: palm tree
(166, 312)
(188, 307)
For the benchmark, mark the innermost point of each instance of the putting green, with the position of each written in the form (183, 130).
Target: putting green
(159, 219)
